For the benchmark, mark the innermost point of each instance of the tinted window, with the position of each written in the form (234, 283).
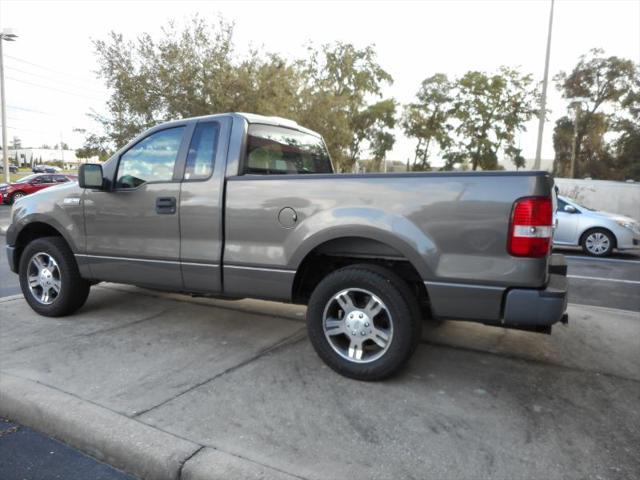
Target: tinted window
(44, 179)
(60, 179)
(202, 151)
(150, 160)
(276, 151)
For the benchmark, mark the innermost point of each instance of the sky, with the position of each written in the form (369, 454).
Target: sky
(51, 84)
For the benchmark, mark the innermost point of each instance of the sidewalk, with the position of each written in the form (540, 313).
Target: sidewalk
(163, 386)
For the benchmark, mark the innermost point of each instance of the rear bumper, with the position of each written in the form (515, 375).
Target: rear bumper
(531, 309)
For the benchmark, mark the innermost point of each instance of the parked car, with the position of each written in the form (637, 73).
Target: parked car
(598, 233)
(30, 184)
(12, 169)
(240, 205)
(42, 168)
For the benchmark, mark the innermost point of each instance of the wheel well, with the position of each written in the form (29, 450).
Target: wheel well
(342, 252)
(613, 235)
(30, 233)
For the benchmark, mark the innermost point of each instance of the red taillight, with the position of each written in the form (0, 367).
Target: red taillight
(531, 227)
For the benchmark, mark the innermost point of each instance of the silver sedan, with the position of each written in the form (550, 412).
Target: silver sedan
(598, 233)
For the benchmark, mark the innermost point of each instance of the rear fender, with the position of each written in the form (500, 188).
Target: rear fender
(393, 230)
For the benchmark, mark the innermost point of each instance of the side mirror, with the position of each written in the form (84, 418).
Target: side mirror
(90, 176)
(570, 209)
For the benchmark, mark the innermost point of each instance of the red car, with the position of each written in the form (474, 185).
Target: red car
(30, 184)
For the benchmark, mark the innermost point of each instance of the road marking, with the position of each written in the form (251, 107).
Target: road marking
(588, 259)
(602, 279)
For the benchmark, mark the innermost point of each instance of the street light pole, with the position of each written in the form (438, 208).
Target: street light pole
(9, 36)
(543, 99)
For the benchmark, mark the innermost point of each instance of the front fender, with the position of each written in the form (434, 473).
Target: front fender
(58, 207)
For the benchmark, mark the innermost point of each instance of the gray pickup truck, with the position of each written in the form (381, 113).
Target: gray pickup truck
(240, 205)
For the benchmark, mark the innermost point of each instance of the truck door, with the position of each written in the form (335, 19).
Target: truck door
(133, 231)
(201, 206)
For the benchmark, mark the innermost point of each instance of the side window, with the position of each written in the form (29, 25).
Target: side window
(202, 151)
(275, 150)
(44, 179)
(60, 179)
(561, 205)
(150, 160)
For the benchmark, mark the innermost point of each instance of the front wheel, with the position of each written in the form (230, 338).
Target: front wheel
(16, 196)
(49, 278)
(598, 242)
(362, 322)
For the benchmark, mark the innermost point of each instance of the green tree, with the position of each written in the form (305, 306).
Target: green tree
(609, 83)
(187, 72)
(428, 120)
(194, 71)
(339, 82)
(373, 125)
(489, 111)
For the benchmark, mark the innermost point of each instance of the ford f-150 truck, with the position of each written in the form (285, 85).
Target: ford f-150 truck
(241, 205)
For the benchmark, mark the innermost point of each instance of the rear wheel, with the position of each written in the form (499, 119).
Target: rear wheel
(363, 322)
(49, 278)
(598, 242)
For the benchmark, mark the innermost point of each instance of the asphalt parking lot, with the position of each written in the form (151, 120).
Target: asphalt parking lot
(166, 386)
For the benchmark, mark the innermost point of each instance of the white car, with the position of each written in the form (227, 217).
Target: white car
(598, 233)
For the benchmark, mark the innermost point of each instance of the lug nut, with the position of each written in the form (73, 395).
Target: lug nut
(366, 324)
(353, 333)
(360, 315)
(362, 333)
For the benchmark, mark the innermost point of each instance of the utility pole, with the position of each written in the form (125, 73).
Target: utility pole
(543, 99)
(9, 36)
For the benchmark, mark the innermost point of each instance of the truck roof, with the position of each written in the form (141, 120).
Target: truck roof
(252, 118)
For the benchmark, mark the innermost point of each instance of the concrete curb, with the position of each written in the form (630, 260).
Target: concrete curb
(11, 298)
(108, 436)
(211, 464)
(125, 443)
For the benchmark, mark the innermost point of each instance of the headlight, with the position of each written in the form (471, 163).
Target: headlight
(630, 225)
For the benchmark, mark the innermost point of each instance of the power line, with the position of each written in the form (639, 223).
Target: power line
(47, 77)
(13, 107)
(54, 89)
(20, 129)
(42, 66)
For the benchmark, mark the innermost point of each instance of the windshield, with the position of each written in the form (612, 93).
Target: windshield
(26, 179)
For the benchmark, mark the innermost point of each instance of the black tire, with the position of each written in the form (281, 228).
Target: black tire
(590, 248)
(16, 196)
(74, 289)
(398, 300)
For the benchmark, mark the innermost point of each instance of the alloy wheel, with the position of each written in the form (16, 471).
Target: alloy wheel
(358, 325)
(44, 277)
